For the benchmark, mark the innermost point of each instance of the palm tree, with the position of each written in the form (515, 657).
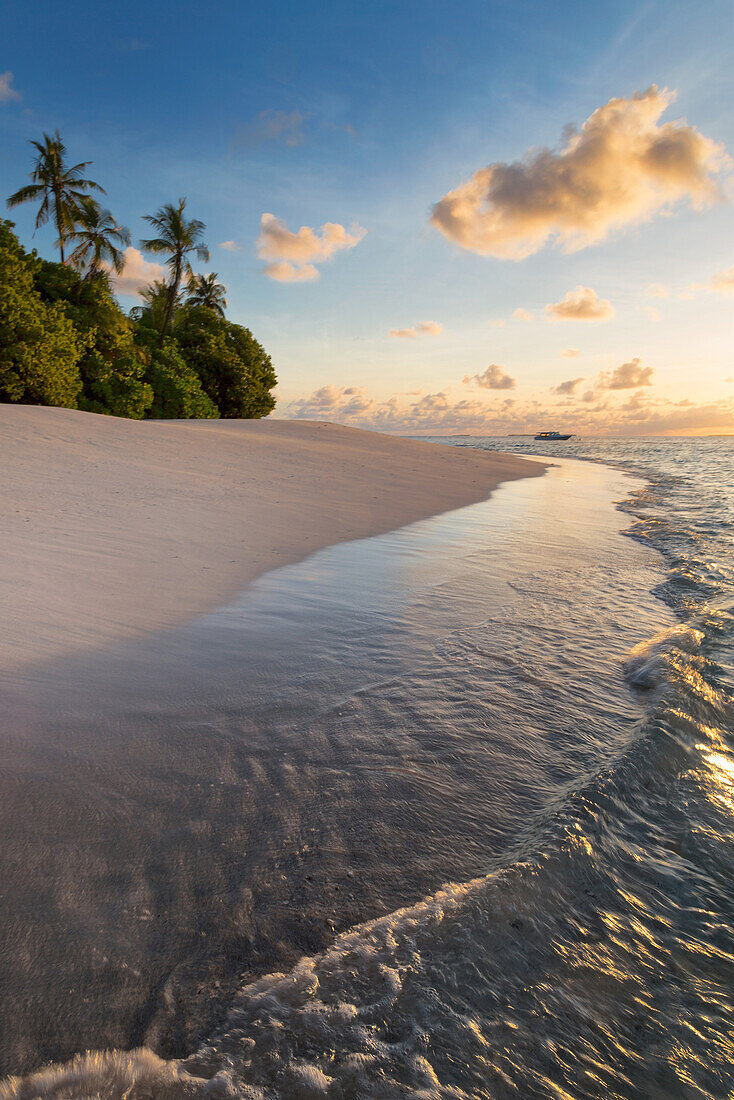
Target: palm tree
(178, 239)
(155, 296)
(61, 189)
(98, 238)
(204, 290)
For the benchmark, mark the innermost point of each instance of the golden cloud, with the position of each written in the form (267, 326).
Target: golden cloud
(564, 389)
(581, 304)
(291, 257)
(494, 377)
(521, 314)
(621, 168)
(136, 274)
(570, 353)
(423, 328)
(723, 281)
(628, 376)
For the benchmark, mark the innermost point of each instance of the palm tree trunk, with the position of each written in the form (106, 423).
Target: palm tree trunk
(58, 203)
(173, 291)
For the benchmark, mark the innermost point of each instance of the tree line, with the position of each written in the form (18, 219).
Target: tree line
(64, 339)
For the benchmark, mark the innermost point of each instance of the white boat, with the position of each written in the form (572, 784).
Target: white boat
(551, 437)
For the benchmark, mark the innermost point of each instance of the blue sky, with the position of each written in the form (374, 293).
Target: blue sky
(365, 115)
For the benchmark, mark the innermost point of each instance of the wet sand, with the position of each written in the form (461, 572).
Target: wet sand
(113, 528)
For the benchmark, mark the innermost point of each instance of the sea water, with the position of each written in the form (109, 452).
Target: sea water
(445, 813)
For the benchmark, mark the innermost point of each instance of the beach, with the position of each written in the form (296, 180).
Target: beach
(112, 528)
(375, 822)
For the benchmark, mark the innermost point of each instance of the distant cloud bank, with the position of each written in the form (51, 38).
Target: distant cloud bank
(621, 168)
(292, 257)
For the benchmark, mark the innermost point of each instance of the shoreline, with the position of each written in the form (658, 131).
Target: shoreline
(286, 769)
(113, 529)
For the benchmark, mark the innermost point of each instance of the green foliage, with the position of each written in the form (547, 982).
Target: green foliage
(204, 290)
(254, 397)
(177, 238)
(176, 386)
(234, 368)
(39, 351)
(111, 365)
(65, 341)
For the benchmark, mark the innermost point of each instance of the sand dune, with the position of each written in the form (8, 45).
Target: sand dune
(110, 528)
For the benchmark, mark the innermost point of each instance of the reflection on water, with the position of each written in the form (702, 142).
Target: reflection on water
(491, 700)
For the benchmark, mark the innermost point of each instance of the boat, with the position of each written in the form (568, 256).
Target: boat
(551, 437)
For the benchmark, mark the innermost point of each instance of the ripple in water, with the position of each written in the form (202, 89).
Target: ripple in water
(519, 712)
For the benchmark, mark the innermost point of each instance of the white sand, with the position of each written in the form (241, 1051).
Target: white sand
(110, 528)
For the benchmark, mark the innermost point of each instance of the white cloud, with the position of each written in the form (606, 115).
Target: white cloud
(423, 328)
(493, 378)
(277, 127)
(231, 246)
(570, 353)
(7, 92)
(581, 304)
(136, 274)
(621, 168)
(291, 257)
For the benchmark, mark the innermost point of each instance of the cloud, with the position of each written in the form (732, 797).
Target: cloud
(621, 168)
(650, 312)
(566, 388)
(493, 378)
(441, 413)
(231, 246)
(658, 290)
(628, 376)
(570, 353)
(291, 257)
(276, 127)
(7, 92)
(521, 314)
(423, 328)
(723, 281)
(581, 304)
(136, 274)
(348, 402)
(498, 324)
(134, 45)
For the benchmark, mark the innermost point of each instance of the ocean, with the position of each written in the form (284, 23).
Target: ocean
(444, 813)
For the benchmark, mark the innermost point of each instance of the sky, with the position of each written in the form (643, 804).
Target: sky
(438, 218)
